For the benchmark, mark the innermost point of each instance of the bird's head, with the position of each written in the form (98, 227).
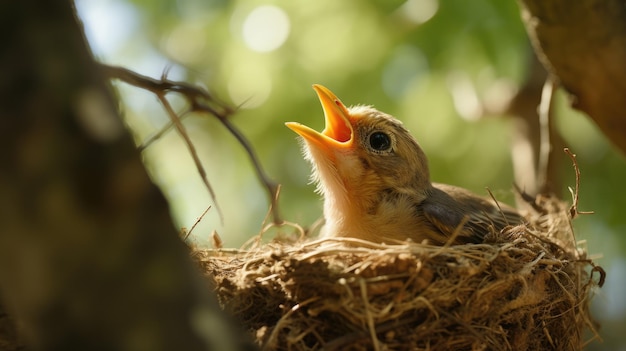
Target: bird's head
(361, 154)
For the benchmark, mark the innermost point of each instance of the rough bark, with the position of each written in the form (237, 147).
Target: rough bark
(583, 44)
(89, 258)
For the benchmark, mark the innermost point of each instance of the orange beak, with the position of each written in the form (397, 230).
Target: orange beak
(337, 133)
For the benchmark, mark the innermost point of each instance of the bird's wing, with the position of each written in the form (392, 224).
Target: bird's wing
(456, 211)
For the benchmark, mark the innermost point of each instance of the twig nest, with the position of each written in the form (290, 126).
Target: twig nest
(526, 288)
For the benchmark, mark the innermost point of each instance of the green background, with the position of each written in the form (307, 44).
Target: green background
(433, 64)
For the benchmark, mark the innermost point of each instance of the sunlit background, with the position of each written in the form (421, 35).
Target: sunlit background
(433, 64)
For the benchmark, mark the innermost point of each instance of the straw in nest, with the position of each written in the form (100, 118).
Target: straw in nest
(526, 288)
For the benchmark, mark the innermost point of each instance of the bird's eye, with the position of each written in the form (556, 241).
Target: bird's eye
(380, 141)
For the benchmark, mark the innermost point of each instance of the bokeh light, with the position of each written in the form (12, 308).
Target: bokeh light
(420, 11)
(266, 28)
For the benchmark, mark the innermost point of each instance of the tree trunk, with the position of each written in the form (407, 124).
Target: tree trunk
(89, 258)
(583, 44)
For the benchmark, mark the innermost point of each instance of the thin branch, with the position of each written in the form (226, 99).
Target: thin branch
(573, 211)
(272, 187)
(192, 149)
(159, 86)
(198, 220)
(498, 206)
(151, 139)
(200, 100)
(530, 200)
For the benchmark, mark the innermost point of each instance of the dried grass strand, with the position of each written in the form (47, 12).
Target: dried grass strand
(526, 288)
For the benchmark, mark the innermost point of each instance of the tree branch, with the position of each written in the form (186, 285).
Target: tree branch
(200, 101)
(583, 44)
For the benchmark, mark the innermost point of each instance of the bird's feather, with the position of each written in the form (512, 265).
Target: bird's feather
(457, 211)
(375, 181)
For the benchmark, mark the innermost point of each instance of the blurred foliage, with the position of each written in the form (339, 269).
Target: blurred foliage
(405, 57)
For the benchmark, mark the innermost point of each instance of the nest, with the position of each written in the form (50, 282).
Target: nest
(526, 288)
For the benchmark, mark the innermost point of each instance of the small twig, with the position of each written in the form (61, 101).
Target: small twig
(272, 187)
(545, 147)
(455, 234)
(498, 206)
(343, 341)
(200, 101)
(151, 139)
(160, 86)
(573, 210)
(600, 271)
(192, 149)
(196, 223)
(371, 326)
(529, 199)
(216, 240)
(272, 339)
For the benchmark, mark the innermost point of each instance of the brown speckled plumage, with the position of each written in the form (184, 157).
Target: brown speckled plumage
(376, 185)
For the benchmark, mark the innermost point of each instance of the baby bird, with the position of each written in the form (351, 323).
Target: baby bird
(374, 179)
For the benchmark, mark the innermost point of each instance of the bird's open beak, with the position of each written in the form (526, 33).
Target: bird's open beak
(338, 131)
